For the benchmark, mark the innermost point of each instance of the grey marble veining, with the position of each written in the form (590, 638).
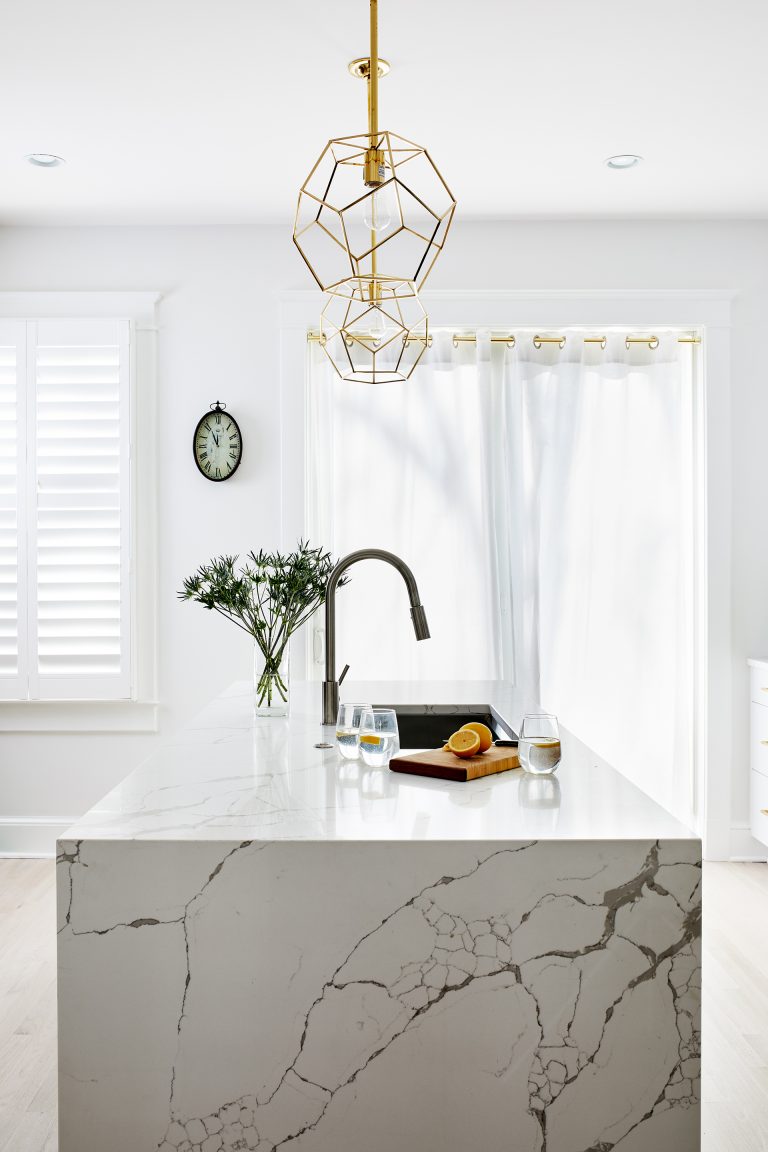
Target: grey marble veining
(527, 996)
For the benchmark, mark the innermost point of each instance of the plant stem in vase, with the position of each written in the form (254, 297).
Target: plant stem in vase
(271, 682)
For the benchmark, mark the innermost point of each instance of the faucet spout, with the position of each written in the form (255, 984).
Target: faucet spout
(418, 616)
(420, 626)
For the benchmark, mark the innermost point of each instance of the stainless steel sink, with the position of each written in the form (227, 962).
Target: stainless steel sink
(430, 725)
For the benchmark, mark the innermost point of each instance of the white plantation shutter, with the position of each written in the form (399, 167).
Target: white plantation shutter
(13, 585)
(72, 512)
(78, 528)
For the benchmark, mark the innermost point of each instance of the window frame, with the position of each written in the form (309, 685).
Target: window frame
(138, 712)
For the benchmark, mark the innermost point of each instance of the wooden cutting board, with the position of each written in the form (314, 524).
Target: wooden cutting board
(446, 766)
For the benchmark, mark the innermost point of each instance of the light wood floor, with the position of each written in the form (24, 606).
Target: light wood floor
(735, 1065)
(27, 1006)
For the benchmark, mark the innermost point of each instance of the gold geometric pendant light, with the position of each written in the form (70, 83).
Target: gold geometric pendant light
(371, 220)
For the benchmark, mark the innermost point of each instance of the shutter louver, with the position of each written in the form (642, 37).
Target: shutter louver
(80, 519)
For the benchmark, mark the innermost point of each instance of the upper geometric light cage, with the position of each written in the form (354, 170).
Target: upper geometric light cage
(332, 229)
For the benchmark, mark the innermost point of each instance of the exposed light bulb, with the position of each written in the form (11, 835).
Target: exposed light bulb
(379, 208)
(378, 325)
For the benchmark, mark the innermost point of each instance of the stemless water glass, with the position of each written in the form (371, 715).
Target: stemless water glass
(348, 728)
(539, 744)
(379, 738)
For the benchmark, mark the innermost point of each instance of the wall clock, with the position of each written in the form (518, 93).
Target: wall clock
(218, 444)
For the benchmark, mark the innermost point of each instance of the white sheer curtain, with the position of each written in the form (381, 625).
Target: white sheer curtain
(607, 440)
(544, 499)
(420, 468)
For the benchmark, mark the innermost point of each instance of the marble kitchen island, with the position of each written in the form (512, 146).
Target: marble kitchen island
(263, 946)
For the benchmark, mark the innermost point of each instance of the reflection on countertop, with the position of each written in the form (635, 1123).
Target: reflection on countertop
(231, 776)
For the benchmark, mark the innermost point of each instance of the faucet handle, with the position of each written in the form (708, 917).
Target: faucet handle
(343, 673)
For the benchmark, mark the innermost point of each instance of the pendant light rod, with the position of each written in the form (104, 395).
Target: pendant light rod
(373, 171)
(373, 76)
(374, 156)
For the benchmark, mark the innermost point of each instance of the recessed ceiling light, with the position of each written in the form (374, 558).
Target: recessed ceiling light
(45, 160)
(623, 160)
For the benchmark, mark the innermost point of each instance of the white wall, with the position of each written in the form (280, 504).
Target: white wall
(219, 340)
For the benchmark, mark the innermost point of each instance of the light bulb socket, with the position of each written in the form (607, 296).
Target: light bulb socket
(374, 169)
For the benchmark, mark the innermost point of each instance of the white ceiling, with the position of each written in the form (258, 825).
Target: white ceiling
(198, 111)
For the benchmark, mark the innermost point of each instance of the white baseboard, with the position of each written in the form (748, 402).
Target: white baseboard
(22, 836)
(744, 847)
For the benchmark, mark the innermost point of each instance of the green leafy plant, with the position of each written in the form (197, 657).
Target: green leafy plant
(269, 597)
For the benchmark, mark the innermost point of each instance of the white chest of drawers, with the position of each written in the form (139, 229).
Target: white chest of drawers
(758, 749)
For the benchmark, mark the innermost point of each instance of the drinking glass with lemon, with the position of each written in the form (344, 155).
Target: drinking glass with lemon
(379, 738)
(539, 745)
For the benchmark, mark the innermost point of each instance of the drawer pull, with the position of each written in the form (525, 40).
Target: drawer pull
(764, 811)
(764, 689)
(764, 741)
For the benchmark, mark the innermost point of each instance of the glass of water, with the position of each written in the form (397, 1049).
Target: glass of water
(348, 728)
(379, 738)
(539, 744)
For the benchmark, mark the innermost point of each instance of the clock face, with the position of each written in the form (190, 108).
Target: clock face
(218, 445)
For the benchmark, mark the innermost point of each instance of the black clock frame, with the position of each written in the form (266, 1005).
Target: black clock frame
(217, 407)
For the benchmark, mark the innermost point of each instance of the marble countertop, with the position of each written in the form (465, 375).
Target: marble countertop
(230, 776)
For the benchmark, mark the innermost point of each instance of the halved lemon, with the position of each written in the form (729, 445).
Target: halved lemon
(482, 730)
(464, 743)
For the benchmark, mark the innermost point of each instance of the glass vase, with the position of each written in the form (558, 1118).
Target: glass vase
(271, 682)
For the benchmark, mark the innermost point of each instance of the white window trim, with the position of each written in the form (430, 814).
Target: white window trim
(704, 309)
(140, 712)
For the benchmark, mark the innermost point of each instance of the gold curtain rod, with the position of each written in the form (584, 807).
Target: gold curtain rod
(537, 340)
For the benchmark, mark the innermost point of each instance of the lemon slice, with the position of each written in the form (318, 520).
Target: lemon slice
(370, 740)
(482, 730)
(464, 743)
